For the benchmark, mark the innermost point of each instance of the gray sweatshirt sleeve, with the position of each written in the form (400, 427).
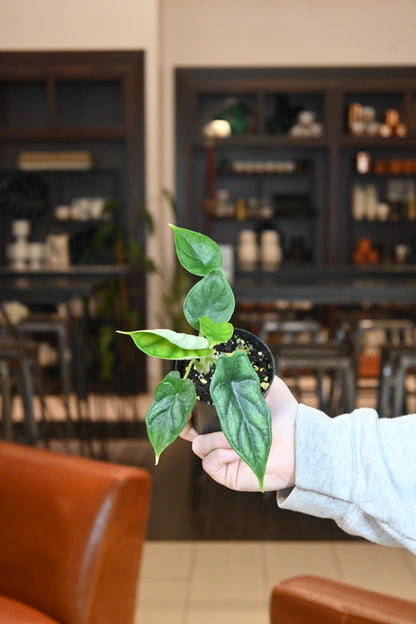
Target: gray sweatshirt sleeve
(360, 471)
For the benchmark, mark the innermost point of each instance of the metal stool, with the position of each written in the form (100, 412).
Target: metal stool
(395, 331)
(290, 330)
(19, 358)
(297, 348)
(396, 363)
(19, 363)
(34, 326)
(320, 359)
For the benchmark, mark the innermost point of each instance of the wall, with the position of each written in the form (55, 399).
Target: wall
(177, 33)
(220, 33)
(100, 25)
(279, 33)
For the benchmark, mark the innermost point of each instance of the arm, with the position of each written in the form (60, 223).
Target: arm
(356, 468)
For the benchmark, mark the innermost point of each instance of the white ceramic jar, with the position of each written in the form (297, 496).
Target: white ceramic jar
(247, 250)
(270, 250)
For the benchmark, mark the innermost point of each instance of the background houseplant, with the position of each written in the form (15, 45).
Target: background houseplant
(234, 385)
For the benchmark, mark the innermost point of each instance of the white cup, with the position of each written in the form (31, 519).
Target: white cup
(63, 212)
(96, 207)
(21, 228)
(36, 255)
(18, 254)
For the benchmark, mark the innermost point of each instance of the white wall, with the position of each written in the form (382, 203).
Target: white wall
(177, 33)
(279, 33)
(99, 25)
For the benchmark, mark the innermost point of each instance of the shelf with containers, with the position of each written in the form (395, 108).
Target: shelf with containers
(378, 170)
(72, 130)
(274, 190)
(72, 122)
(266, 174)
(324, 118)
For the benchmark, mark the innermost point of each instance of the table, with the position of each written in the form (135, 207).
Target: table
(345, 286)
(50, 285)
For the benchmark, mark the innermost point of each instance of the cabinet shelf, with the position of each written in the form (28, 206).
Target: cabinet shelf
(26, 135)
(273, 171)
(266, 140)
(385, 222)
(367, 142)
(259, 219)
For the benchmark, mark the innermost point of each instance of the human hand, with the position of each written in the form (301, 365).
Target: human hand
(225, 466)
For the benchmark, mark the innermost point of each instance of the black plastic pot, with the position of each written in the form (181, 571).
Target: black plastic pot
(204, 416)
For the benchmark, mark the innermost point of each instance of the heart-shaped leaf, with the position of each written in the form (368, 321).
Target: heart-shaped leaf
(216, 332)
(212, 296)
(198, 253)
(243, 413)
(169, 345)
(173, 401)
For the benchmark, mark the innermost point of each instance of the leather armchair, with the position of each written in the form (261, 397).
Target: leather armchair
(71, 537)
(314, 600)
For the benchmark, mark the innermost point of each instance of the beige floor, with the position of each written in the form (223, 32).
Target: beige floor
(230, 582)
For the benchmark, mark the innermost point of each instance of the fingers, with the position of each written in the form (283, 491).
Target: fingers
(188, 432)
(217, 463)
(203, 445)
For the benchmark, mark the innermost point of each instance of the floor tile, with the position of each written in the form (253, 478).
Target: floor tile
(411, 562)
(167, 560)
(159, 616)
(162, 593)
(286, 559)
(230, 572)
(227, 615)
(231, 582)
(378, 568)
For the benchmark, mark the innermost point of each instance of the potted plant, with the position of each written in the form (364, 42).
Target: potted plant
(219, 371)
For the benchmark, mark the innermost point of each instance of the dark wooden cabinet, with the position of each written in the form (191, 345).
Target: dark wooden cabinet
(88, 102)
(73, 123)
(314, 203)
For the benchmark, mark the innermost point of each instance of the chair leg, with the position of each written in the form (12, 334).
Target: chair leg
(399, 390)
(6, 410)
(62, 340)
(384, 392)
(349, 389)
(320, 390)
(65, 375)
(27, 393)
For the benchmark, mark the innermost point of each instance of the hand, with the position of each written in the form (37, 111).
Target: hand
(226, 467)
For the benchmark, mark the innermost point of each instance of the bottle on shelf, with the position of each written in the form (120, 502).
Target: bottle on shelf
(240, 209)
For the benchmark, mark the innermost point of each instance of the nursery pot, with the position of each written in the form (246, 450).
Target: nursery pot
(204, 415)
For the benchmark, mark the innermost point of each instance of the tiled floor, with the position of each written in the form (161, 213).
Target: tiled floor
(231, 582)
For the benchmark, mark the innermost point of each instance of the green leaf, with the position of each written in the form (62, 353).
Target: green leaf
(243, 413)
(198, 253)
(168, 344)
(212, 296)
(173, 402)
(216, 332)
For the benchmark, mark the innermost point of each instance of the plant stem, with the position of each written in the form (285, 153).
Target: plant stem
(188, 368)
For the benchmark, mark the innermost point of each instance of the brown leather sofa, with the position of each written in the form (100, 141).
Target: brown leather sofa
(71, 537)
(314, 600)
